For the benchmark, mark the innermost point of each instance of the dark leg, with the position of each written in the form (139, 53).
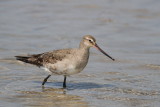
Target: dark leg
(64, 83)
(45, 80)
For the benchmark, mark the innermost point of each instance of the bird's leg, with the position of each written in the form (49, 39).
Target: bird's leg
(45, 80)
(64, 83)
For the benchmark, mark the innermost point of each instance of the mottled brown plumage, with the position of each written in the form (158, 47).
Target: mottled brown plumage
(66, 61)
(44, 58)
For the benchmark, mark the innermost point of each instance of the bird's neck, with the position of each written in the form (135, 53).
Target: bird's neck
(84, 50)
(83, 46)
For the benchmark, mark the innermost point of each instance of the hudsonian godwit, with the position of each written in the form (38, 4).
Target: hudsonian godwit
(65, 61)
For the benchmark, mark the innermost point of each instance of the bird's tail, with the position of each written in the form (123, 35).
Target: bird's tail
(31, 59)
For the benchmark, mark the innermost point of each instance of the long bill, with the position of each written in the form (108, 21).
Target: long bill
(96, 46)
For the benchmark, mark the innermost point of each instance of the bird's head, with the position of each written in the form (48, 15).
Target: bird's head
(90, 41)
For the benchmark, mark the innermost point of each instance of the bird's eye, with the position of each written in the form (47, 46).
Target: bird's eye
(90, 41)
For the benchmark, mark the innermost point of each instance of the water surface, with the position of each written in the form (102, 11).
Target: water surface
(128, 30)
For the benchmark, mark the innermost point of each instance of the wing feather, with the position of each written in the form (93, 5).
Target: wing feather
(47, 57)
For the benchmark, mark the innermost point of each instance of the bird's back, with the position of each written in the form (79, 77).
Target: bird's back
(48, 57)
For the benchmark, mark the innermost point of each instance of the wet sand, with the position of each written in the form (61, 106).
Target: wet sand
(127, 30)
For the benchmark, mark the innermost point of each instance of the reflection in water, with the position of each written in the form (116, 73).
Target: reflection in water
(50, 97)
(80, 85)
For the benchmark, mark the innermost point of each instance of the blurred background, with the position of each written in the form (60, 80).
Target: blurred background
(126, 29)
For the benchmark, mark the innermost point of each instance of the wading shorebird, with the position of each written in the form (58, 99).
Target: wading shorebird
(65, 61)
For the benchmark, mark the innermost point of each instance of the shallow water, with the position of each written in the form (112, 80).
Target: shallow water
(128, 30)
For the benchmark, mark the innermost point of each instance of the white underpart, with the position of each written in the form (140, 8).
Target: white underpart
(65, 67)
(47, 70)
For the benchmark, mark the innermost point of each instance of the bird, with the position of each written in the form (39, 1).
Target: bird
(64, 62)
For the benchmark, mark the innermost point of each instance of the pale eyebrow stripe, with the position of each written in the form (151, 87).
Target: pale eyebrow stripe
(89, 39)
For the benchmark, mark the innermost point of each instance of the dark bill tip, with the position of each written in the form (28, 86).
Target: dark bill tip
(96, 46)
